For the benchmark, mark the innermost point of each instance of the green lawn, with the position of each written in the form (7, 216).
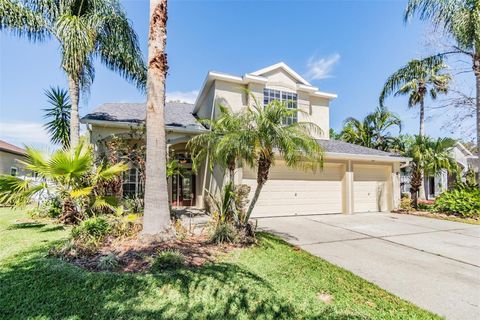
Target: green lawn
(270, 281)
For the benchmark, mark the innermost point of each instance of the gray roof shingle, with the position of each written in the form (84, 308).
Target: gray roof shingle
(177, 114)
(337, 146)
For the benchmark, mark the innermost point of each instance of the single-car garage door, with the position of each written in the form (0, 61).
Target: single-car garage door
(291, 191)
(370, 188)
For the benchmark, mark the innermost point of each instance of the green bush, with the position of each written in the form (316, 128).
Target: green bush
(169, 259)
(109, 262)
(224, 233)
(51, 208)
(90, 234)
(406, 204)
(464, 202)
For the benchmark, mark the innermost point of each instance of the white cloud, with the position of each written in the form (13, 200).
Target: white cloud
(183, 96)
(20, 133)
(321, 68)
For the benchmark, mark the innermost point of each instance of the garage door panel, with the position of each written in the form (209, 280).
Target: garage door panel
(369, 188)
(296, 192)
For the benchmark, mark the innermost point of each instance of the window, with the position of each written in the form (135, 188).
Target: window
(132, 183)
(289, 98)
(14, 171)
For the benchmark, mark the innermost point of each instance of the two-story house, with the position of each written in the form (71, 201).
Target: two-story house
(353, 179)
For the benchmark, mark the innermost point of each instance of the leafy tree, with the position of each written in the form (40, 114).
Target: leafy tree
(156, 216)
(271, 138)
(429, 156)
(460, 19)
(85, 29)
(69, 174)
(373, 130)
(418, 79)
(224, 144)
(58, 116)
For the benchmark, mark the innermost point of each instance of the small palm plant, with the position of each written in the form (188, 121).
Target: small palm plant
(271, 139)
(418, 79)
(58, 116)
(69, 174)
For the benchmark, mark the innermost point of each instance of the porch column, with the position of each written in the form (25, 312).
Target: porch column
(348, 188)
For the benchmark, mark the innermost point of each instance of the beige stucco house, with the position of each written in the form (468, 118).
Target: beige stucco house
(354, 178)
(9, 156)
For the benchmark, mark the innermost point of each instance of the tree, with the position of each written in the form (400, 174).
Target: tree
(224, 144)
(429, 157)
(460, 19)
(417, 79)
(272, 138)
(85, 29)
(58, 116)
(373, 130)
(157, 213)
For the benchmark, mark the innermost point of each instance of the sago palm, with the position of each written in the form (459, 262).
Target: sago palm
(85, 29)
(418, 79)
(58, 116)
(373, 130)
(69, 174)
(272, 139)
(224, 144)
(460, 19)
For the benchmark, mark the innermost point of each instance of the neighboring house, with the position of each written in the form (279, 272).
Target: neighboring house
(442, 181)
(354, 178)
(9, 156)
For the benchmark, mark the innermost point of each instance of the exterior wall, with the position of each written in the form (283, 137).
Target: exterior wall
(9, 160)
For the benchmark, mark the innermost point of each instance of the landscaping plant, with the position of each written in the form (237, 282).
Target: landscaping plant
(168, 259)
(464, 202)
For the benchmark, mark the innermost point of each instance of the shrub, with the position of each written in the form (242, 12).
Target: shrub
(168, 259)
(464, 202)
(426, 205)
(90, 234)
(125, 226)
(109, 262)
(51, 208)
(224, 233)
(406, 204)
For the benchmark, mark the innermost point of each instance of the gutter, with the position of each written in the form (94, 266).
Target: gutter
(349, 156)
(124, 124)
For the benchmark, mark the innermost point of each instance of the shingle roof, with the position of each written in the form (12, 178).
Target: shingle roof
(7, 147)
(337, 146)
(177, 114)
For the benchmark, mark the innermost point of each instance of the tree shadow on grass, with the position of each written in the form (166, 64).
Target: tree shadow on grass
(34, 286)
(53, 228)
(26, 225)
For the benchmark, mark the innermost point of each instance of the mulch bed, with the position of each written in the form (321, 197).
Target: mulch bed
(441, 216)
(137, 255)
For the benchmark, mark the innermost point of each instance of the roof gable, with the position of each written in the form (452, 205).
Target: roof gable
(285, 68)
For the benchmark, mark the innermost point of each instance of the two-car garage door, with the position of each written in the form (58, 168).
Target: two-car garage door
(296, 192)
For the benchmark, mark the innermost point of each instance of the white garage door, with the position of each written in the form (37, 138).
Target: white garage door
(295, 192)
(370, 188)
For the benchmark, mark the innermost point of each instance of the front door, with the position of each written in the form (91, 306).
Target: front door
(183, 190)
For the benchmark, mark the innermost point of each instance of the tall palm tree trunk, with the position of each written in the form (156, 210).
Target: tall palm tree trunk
(476, 69)
(157, 214)
(74, 91)
(421, 133)
(264, 165)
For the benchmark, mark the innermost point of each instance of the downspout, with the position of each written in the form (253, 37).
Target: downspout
(212, 113)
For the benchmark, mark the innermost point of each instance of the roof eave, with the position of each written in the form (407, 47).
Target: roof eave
(124, 124)
(350, 156)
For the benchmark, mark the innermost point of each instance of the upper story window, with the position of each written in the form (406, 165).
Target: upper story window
(289, 98)
(14, 171)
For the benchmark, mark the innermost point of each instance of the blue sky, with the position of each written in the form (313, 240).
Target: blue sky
(344, 47)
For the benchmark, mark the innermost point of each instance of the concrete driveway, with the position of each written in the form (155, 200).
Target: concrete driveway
(433, 263)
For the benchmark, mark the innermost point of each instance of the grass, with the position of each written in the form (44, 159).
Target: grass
(270, 281)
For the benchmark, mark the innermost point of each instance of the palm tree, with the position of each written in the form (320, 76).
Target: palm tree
(85, 29)
(460, 19)
(271, 137)
(70, 174)
(156, 213)
(429, 157)
(372, 131)
(224, 143)
(58, 115)
(417, 79)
